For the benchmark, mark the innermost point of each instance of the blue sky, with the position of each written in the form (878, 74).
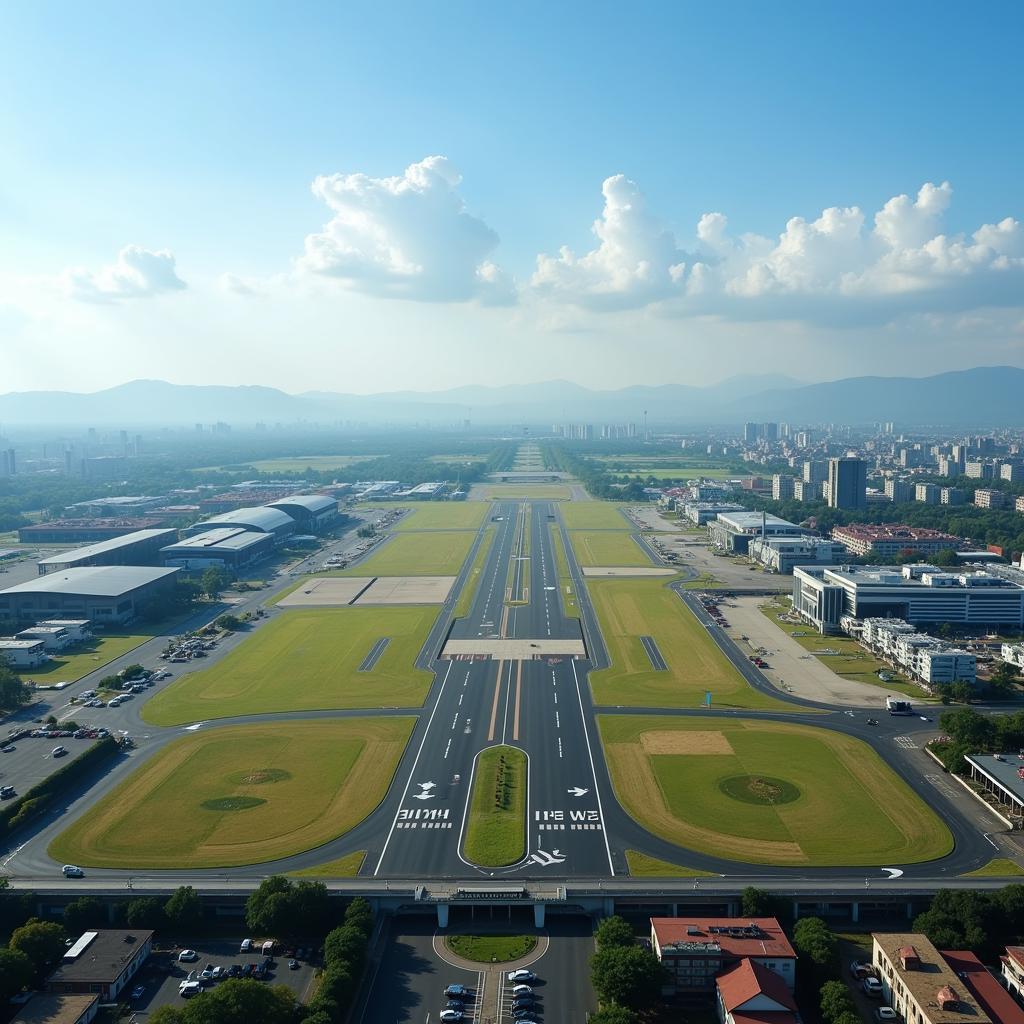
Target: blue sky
(197, 130)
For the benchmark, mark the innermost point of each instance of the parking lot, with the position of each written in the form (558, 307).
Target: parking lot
(27, 761)
(163, 973)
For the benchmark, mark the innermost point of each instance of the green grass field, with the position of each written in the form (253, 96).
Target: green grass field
(343, 867)
(853, 661)
(998, 867)
(676, 473)
(432, 553)
(641, 865)
(496, 826)
(444, 515)
(465, 600)
(630, 608)
(240, 795)
(594, 515)
(87, 657)
(538, 492)
(486, 949)
(306, 660)
(566, 586)
(675, 777)
(607, 547)
(300, 463)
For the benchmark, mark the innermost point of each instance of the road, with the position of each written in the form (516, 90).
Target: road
(541, 704)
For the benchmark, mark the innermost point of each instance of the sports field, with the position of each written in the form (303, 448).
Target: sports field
(594, 515)
(444, 515)
(607, 547)
(768, 792)
(432, 553)
(306, 660)
(630, 608)
(240, 795)
(540, 492)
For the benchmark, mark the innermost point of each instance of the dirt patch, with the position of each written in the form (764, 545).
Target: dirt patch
(259, 776)
(759, 789)
(232, 803)
(685, 742)
(407, 590)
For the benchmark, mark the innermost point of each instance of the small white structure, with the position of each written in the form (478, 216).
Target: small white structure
(78, 629)
(23, 653)
(54, 638)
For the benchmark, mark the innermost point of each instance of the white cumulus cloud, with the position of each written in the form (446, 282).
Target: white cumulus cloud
(635, 263)
(408, 237)
(839, 267)
(136, 274)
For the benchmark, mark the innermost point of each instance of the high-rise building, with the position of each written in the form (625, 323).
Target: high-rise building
(782, 487)
(985, 498)
(751, 432)
(770, 431)
(927, 493)
(978, 470)
(847, 483)
(899, 491)
(8, 467)
(952, 496)
(815, 471)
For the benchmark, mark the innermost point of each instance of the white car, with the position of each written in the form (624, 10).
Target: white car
(522, 990)
(872, 987)
(189, 988)
(187, 956)
(452, 1015)
(73, 871)
(886, 1015)
(521, 975)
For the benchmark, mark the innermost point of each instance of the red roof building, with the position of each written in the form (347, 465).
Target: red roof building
(749, 993)
(696, 949)
(991, 996)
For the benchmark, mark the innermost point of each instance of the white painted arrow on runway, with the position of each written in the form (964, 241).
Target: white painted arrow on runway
(893, 872)
(576, 791)
(426, 785)
(423, 796)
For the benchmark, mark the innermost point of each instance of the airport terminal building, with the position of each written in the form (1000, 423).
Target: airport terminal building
(227, 548)
(313, 513)
(258, 518)
(105, 594)
(915, 593)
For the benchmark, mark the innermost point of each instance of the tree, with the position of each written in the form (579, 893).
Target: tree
(229, 622)
(813, 940)
(282, 907)
(15, 973)
(213, 581)
(359, 914)
(145, 912)
(13, 692)
(184, 909)
(612, 1014)
(84, 913)
(614, 931)
(236, 1001)
(133, 671)
(756, 902)
(345, 945)
(15, 907)
(835, 1000)
(628, 975)
(267, 907)
(42, 942)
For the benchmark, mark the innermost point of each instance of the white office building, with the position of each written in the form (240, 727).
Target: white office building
(733, 531)
(22, 653)
(783, 554)
(915, 593)
(924, 657)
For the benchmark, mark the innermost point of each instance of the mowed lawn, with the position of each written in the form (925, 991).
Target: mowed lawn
(594, 515)
(628, 609)
(86, 658)
(306, 660)
(437, 553)
(607, 547)
(496, 826)
(851, 808)
(444, 515)
(240, 795)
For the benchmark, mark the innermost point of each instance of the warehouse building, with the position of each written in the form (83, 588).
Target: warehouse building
(700, 513)
(313, 513)
(257, 518)
(1002, 775)
(22, 653)
(53, 638)
(916, 593)
(116, 506)
(106, 594)
(784, 554)
(228, 548)
(102, 961)
(139, 548)
(733, 531)
(85, 531)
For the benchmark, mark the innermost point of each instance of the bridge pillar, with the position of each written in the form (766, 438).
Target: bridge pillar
(609, 906)
(855, 912)
(910, 910)
(538, 915)
(442, 915)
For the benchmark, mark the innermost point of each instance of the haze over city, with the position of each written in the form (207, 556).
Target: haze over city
(420, 197)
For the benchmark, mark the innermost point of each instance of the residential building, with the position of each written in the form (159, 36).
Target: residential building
(847, 483)
(899, 492)
(694, 949)
(927, 493)
(983, 985)
(952, 496)
(822, 595)
(978, 470)
(1013, 472)
(1018, 506)
(733, 531)
(948, 466)
(752, 994)
(803, 491)
(751, 432)
(783, 554)
(139, 548)
(815, 471)
(106, 594)
(1012, 971)
(101, 962)
(50, 1008)
(1000, 774)
(886, 540)
(782, 487)
(918, 983)
(986, 498)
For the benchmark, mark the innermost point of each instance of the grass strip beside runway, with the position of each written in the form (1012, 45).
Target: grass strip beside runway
(496, 826)
(643, 866)
(307, 660)
(594, 515)
(566, 586)
(998, 867)
(343, 867)
(628, 609)
(760, 792)
(465, 600)
(430, 553)
(444, 515)
(240, 795)
(607, 547)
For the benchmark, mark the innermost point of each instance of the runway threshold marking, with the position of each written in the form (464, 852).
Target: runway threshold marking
(519, 683)
(494, 705)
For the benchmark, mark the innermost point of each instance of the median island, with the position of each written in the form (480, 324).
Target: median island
(496, 826)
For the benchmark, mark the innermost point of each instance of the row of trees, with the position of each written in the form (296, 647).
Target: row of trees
(627, 977)
(971, 732)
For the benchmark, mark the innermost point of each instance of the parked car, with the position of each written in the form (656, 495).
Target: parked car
(457, 992)
(872, 987)
(860, 969)
(451, 1015)
(886, 1015)
(521, 990)
(293, 965)
(187, 989)
(137, 992)
(521, 975)
(187, 956)
(6, 792)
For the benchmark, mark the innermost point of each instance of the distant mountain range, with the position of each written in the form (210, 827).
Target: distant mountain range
(988, 396)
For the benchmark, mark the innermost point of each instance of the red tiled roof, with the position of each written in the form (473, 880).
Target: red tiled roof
(749, 979)
(991, 996)
(1016, 954)
(763, 1017)
(771, 941)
